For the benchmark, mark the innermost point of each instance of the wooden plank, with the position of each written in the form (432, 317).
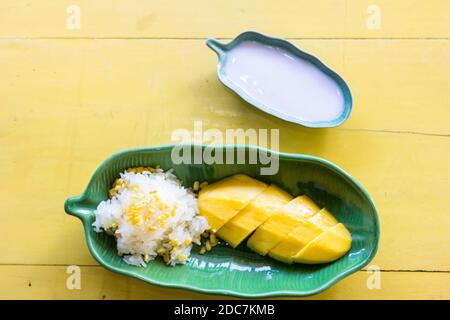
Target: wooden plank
(182, 19)
(67, 105)
(406, 174)
(394, 83)
(49, 282)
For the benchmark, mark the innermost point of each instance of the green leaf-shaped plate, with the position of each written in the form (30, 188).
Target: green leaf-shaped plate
(240, 272)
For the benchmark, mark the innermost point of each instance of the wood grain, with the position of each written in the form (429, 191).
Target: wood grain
(49, 282)
(76, 102)
(203, 18)
(134, 73)
(395, 83)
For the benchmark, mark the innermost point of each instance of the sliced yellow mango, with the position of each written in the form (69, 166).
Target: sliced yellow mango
(323, 219)
(289, 230)
(253, 215)
(301, 206)
(222, 200)
(296, 240)
(278, 226)
(328, 246)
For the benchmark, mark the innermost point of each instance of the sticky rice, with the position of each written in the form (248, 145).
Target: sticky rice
(150, 213)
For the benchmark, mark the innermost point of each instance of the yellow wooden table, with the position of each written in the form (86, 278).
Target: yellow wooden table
(81, 80)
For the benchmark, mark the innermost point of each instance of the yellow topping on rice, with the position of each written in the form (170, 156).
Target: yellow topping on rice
(196, 186)
(208, 245)
(161, 251)
(166, 257)
(213, 240)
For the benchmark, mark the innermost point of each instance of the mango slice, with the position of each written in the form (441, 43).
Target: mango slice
(253, 215)
(298, 238)
(328, 246)
(301, 206)
(221, 201)
(278, 226)
(323, 219)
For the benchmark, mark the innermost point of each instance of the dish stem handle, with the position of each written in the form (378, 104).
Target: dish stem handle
(216, 46)
(77, 207)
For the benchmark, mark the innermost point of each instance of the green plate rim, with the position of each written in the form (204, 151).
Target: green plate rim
(68, 207)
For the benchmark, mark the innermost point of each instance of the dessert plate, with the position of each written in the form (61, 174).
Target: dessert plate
(240, 272)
